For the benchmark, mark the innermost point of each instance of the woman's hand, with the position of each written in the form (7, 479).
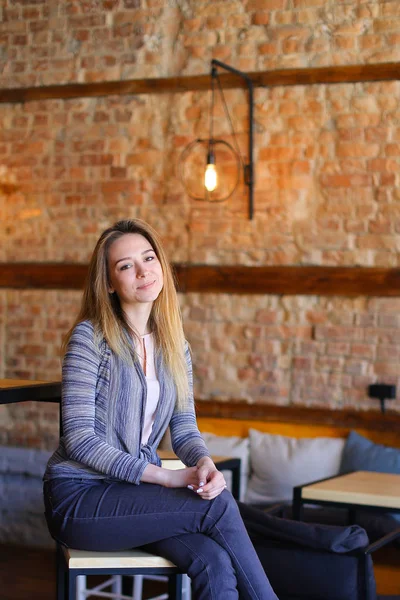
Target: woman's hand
(204, 479)
(210, 482)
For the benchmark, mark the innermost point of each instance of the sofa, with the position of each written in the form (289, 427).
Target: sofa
(282, 448)
(309, 561)
(22, 521)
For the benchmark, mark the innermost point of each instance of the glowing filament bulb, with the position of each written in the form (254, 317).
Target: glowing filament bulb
(210, 177)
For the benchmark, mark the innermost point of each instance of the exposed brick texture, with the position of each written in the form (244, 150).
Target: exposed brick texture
(327, 163)
(50, 41)
(303, 350)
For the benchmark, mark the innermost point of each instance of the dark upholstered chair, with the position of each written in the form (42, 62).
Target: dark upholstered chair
(308, 561)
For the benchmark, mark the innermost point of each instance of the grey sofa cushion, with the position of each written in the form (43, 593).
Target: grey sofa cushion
(278, 463)
(22, 520)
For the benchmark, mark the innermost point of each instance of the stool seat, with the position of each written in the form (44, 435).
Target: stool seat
(126, 559)
(73, 564)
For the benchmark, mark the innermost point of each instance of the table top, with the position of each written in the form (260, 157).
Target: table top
(171, 458)
(360, 487)
(16, 383)
(21, 390)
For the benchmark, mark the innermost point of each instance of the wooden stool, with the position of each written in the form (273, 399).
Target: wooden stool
(71, 563)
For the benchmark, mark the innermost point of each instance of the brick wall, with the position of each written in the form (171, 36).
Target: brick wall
(327, 163)
(305, 350)
(50, 41)
(326, 157)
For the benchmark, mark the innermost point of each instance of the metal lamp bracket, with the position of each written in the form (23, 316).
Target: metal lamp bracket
(248, 168)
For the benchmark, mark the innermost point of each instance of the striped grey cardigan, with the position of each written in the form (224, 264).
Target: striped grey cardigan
(103, 401)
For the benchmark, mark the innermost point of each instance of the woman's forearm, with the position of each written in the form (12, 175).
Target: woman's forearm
(154, 474)
(173, 478)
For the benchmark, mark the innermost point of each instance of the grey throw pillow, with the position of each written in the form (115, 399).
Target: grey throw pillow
(278, 463)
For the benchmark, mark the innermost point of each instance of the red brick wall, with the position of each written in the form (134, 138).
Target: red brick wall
(51, 41)
(327, 164)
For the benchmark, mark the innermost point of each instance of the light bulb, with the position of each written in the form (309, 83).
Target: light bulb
(210, 177)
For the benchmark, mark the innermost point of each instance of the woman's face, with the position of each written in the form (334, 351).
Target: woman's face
(134, 270)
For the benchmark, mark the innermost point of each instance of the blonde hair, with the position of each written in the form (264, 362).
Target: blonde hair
(104, 310)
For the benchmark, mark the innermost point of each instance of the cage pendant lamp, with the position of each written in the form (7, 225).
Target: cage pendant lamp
(210, 175)
(210, 168)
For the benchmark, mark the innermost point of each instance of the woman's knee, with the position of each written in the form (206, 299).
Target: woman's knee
(225, 505)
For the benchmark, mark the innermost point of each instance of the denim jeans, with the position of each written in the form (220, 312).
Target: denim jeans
(205, 538)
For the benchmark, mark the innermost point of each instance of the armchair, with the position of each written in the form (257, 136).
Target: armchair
(308, 561)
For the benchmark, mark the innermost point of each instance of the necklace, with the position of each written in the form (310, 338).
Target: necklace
(143, 350)
(144, 356)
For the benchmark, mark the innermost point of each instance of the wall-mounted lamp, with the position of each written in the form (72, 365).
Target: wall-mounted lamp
(382, 392)
(210, 168)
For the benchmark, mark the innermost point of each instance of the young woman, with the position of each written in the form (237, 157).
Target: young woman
(127, 376)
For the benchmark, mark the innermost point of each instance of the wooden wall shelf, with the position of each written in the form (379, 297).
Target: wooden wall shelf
(239, 410)
(168, 85)
(229, 279)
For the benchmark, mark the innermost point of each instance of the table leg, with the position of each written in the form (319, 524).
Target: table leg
(297, 506)
(351, 516)
(236, 482)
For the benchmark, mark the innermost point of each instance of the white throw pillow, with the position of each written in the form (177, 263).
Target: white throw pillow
(278, 463)
(234, 446)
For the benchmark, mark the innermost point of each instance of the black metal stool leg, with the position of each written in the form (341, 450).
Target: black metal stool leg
(61, 574)
(71, 585)
(175, 587)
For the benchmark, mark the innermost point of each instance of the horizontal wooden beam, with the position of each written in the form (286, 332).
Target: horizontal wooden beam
(163, 85)
(220, 279)
(239, 410)
(291, 280)
(42, 276)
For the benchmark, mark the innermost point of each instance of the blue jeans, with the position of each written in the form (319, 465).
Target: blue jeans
(205, 538)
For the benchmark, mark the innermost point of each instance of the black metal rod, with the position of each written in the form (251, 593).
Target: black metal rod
(217, 63)
(249, 174)
(251, 170)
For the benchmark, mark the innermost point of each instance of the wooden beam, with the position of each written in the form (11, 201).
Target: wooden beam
(163, 85)
(239, 410)
(220, 279)
(291, 280)
(133, 87)
(42, 276)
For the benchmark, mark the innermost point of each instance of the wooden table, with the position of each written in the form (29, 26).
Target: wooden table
(22, 390)
(361, 489)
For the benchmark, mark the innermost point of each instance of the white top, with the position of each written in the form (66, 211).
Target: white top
(146, 352)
